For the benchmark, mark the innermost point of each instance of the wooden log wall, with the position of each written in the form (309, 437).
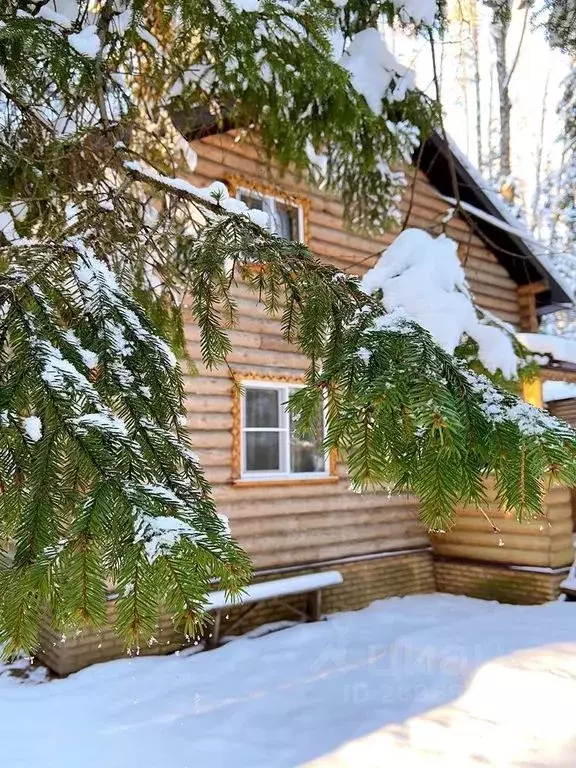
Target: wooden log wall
(542, 542)
(564, 409)
(309, 522)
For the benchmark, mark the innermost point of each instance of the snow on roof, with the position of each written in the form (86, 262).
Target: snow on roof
(422, 276)
(494, 220)
(558, 390)
(558, 347)
(515, 226)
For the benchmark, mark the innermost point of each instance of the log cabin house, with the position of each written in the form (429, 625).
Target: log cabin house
(289, 506)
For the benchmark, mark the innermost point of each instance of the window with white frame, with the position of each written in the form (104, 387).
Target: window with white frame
(270, 446)
(286, 219)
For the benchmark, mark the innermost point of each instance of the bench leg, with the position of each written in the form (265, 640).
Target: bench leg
(314, 605)
(212, 637)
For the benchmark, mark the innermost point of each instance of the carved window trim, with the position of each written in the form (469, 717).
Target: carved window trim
(238, 378)
(236, 183)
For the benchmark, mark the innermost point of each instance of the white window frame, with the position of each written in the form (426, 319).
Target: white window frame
(283, 429)
(269, 207)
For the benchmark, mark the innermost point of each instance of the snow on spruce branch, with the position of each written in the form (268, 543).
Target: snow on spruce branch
(161, 534)
(530, 421)
(421, 277)
(418, 11)
(215, 195)
(62, 376)
(420, 280)
(374, 70)
(99, 283)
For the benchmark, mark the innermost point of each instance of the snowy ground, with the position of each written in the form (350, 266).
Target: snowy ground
(432, 680)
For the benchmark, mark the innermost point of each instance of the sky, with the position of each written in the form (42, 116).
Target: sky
(536, 82)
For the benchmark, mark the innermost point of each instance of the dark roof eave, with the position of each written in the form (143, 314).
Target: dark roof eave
(436, 157)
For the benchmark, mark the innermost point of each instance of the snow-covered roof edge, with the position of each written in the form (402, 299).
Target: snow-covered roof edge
(558, 390)
(496, 213)
(560, 348)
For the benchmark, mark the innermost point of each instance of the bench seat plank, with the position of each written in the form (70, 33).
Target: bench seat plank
(267, 590)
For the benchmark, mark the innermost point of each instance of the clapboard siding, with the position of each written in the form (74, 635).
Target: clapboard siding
(283, 525)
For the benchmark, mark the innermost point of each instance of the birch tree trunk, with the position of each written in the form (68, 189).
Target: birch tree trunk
(491, 160)
(474, 21)
(500, 27)
(536, 203)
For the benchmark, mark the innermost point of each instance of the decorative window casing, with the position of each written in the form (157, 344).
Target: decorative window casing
(266, 445)
(286, 216)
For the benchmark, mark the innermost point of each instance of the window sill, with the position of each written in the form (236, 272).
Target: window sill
(284, 481)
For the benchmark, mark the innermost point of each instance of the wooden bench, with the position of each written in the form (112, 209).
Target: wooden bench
(311, 584)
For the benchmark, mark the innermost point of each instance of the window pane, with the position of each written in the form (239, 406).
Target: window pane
(286, 221)
(252, 201)
(262, 451)
(261, 407)
(306, 454)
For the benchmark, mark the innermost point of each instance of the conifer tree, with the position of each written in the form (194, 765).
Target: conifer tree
(559, 18)
(102, 237)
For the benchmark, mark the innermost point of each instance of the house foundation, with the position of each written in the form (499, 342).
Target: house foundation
(521, 585)
(487, 554)
(366, 578)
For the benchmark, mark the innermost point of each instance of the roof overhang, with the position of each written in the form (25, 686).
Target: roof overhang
(513, 248)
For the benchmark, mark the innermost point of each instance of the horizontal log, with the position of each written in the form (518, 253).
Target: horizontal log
(558, 494)
(209, 403)
(256, 324)
(317, 553)
(224, 148)
(274, 343)
(517, 556)
(562, 557)
(332, 220)
(220, 162)
(229, 143)
(230, 160)
(343, 536)
(230, 494)
(260, 357)
(476, 259)
(318, 504)
(215, 457)
(204, 441)
(345, 240)
(315, 528)
(238, 338)
(506, 525)
(491, 540)
(341, 258)
(207, 385)
(212, 422)
(551, 514)
(254, 359)
(499, 306)
(486, 291)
